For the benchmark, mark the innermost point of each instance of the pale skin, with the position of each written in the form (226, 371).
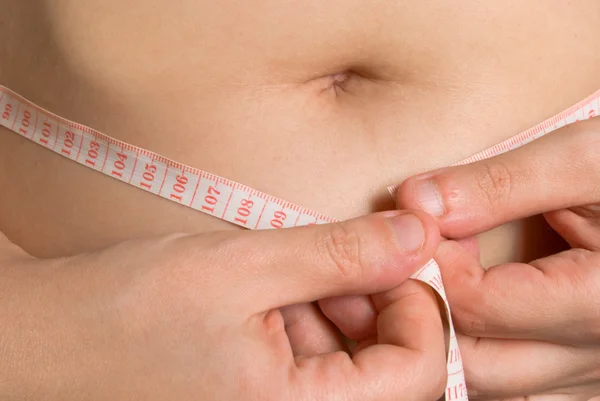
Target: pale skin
(320, 103)
(536, 322)
(198, 317)
(528, 331)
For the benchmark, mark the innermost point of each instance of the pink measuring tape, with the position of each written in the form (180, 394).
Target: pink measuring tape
(226, 199)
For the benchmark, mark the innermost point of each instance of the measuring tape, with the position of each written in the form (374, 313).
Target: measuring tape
(226, 199)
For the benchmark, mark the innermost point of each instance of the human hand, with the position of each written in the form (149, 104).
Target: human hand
(529, 330)
(197, 317)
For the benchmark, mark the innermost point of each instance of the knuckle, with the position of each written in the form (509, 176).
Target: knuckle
(468, 320)
(340, 247)
(494, 183)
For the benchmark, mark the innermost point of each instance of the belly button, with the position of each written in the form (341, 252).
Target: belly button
(333, 84)
(337, 82)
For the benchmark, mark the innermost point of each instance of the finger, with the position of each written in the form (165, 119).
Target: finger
(355, 316)
(566, 396)
(554, 172)
(408, 362)
(309, 332)
(502, 369)
(409, 317)
(273, 268)
(577, 226)
(471, 245)
(552, 299)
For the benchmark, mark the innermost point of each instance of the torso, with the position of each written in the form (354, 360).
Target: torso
(246, 91)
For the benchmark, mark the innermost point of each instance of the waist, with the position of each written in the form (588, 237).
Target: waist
(312, 130)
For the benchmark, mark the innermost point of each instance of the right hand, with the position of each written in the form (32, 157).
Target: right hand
(527, 330)
(198, 317)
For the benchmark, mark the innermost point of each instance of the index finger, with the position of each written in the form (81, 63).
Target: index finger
(409, 320)
(407, 363)
(552, 299)
(557, 171)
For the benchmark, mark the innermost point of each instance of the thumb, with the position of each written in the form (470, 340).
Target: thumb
(557, 171)
(303, 264)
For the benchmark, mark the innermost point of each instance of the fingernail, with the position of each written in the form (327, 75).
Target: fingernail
(409, 230)
(429, 198)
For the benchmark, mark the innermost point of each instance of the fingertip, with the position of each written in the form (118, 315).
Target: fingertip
(415, 223)
(407, 358)
(465, 200)
(410, 319)
(309, 332)
(405, 198)
(432, 236)
(437, 194)
(430, 224)
(433, 233)
(409, 316)
(354, 316)
(410, 354)
(416, 237)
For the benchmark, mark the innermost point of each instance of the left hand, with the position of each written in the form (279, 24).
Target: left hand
(198, 317)
(529, 331)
